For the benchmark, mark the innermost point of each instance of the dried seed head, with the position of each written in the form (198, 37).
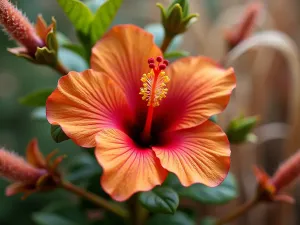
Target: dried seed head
(15, 168)
(18, 27)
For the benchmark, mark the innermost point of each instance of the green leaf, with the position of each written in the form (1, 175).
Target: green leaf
(37, 98)
(179, 218)
(85, 40)
(160, 200)
(103, 18)
(221, 194)
(44, 218)
(57, 134)
(68, 210)
(78, 13)
(176, 54)
(82, 174)
(90, 27)
(82, 167)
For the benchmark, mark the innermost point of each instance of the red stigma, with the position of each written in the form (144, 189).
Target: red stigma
(151, 65)
(159, 59)
(153, 91)
(162, 66)
(150, 61)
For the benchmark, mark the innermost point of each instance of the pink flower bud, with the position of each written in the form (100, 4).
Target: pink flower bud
(287, 172)
(244, 29)
(15, 168)
(18, 27)
(269, 187)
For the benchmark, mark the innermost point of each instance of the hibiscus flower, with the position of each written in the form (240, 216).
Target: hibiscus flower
(144, 117)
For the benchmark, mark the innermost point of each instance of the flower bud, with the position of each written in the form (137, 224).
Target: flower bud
(38, 173)
(184, 4)
(269, 187)
(244, 29)
(239, 129)
(15, 168)
(39, 43)
(18, 27)
(287, 172)
(176, 18)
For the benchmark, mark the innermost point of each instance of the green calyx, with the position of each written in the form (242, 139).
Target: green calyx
(184, 4)
(48, 54)
(240, 130)
(176, 18)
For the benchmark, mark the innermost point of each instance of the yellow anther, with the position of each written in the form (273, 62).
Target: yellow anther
(166, 79)
(154, 80)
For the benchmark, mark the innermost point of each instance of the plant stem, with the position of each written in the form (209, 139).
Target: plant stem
(240, 211)
(138, 213)
(142, 214)
(166, 42)
(61, 69)
(97, 200)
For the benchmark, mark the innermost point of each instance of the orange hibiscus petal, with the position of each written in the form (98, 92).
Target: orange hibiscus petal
(123, 55)
(196, 155)
(198, 89)
(85, 103)
(128, 168)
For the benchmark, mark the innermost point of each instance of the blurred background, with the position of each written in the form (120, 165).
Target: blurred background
(266, 87)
